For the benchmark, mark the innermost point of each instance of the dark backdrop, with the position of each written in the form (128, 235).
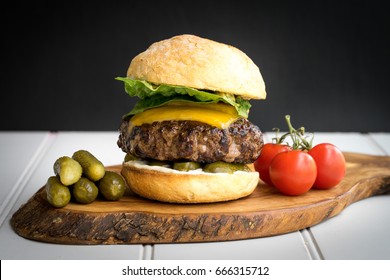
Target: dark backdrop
(324, 62)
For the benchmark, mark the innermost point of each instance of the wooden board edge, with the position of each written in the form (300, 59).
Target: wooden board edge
(39, 221)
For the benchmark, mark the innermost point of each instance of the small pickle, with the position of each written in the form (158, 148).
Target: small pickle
(58, 195)
(225, 167)
(68, 170)
(186, 165)
(93, 169)
(112, 186)
(85, 191)
(129, 157)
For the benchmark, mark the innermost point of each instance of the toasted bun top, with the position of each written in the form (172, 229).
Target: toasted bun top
(191, 61)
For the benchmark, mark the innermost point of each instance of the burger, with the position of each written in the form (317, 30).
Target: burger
(188, 138)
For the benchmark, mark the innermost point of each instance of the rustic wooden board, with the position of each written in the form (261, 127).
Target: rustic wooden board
(137, 220)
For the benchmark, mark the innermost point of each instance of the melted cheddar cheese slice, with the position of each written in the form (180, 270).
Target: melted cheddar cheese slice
(220, 115)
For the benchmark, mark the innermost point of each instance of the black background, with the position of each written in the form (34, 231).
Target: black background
(324, 62)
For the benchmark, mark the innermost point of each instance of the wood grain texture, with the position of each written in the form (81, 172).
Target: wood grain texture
(133, 219)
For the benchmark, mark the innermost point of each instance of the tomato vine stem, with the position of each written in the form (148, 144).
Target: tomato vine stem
(298, 137)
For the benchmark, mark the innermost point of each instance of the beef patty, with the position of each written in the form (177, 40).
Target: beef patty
(241, 142)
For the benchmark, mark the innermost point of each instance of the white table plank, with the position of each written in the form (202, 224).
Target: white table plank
(361, 230)
(15, 247)
(282, 247)
(103, 145)
(18, 154)
(383, 140)
(350, 142)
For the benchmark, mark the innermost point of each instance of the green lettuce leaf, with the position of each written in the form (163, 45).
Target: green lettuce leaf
(152, 96)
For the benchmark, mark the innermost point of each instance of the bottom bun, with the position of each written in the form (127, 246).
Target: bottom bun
(168, 185)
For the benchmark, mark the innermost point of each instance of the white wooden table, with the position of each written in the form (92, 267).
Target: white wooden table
(360, 232)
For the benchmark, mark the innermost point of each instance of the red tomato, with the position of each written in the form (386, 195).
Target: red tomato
(269, 151)
(330, 165)
(293, 172)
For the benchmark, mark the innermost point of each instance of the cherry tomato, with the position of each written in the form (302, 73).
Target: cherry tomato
(330, 163)
(269, 151)
(293, 172)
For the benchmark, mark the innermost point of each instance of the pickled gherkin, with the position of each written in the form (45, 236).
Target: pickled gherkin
(130, 157)
(93, 169)
(85, 191)
(112, 186)
(68, 170)
(186, 165)
(225, 167)
(57, 194)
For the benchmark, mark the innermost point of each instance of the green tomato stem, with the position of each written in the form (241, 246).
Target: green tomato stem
(297, 136)
(280, 140)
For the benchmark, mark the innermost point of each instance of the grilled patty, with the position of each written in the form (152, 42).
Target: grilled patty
(193, 141)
